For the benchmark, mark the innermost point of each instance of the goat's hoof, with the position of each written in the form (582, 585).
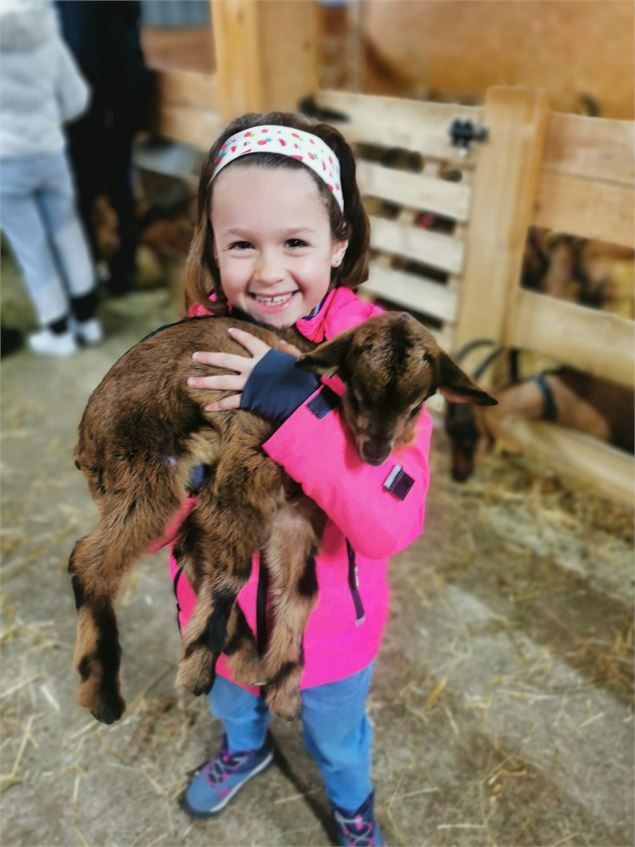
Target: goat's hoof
(108, 712)
(283, 702)
(197, 671)
(107, 708)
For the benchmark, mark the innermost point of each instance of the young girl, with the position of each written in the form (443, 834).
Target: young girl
(283, 239)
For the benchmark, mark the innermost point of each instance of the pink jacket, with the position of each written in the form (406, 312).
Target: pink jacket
(344, 630)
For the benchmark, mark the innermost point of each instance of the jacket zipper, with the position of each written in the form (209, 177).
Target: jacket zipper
(175, 585)
(353, 584)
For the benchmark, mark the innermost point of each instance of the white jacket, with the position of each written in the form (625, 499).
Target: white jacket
(40, 85)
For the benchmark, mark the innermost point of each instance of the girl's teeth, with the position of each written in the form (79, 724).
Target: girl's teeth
(273, 300)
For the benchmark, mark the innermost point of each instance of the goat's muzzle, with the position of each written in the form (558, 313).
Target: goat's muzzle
(373, 451)
(462, 464)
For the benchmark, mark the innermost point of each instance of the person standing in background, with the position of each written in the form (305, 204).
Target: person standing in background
(41, 90)
(104, 38)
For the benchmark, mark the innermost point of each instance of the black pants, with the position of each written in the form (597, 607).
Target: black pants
(100, 149)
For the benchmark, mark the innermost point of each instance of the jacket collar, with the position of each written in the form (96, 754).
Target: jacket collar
(319, 327)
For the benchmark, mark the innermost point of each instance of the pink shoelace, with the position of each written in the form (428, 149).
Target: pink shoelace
(223, 765)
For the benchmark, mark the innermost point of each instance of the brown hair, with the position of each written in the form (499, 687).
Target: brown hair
(201, 274)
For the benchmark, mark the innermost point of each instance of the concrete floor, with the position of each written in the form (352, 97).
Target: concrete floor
(502, 699)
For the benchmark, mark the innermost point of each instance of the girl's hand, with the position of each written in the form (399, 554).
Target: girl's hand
(241, 365)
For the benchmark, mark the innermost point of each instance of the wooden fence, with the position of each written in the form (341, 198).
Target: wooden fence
(574, 175)
(448, 232)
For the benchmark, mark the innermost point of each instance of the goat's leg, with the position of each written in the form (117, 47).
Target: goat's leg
(97, 566)
(241, 649)
(291, 560)
(231, 530)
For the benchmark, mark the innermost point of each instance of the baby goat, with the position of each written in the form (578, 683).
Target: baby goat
(141, 434)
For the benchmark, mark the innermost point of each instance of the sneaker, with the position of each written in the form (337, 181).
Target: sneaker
(217, 781)
(359, 828)
(47, 343)
(87, 332)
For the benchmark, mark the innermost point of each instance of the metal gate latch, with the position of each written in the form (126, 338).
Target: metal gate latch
(463, 133)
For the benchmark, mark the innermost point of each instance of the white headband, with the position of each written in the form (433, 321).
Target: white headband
(285, 141)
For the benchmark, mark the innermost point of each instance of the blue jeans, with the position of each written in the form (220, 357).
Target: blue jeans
(37, 213)
(337, 732)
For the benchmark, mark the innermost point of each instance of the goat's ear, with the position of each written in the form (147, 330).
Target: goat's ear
(326, 358)
(457, 387)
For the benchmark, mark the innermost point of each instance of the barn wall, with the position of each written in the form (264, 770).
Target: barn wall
(567, 47)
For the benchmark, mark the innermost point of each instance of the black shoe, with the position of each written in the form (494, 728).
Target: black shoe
(11, 341)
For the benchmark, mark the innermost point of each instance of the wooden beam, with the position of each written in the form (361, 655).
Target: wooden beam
(412, 292)
(266, 54)
(239, 57)
(429, 248)
(588, 339)
(395, 122)
(608, 469)
(579, 206)
(290, 31)
(591, 148)
(187, 88)
(197, 127)
(450, 199)
(503, 196)
(178, 48)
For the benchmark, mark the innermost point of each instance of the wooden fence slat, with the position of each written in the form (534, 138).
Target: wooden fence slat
(450, 199)
(576, 206)
(196, 127)
(412, 292)
(413, 112)
(187, 88)
(588, 339)
(429, 248)
(606, 467)
(591, 148)
(393, 122)
(503, 195)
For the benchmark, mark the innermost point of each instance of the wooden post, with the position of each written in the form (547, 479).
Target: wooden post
(504, 190)
(238, 56)
(266, 54)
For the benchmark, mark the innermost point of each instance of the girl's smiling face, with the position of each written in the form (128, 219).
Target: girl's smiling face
(272, 242)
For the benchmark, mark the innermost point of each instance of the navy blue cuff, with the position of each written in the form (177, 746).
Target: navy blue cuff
(276, 387)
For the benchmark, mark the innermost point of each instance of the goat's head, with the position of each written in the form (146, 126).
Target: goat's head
(467, 439)
(390, 364)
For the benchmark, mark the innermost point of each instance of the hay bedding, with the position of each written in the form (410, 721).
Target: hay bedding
(502, 698)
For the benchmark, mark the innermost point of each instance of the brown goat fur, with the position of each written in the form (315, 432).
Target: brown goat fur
(142, 433)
